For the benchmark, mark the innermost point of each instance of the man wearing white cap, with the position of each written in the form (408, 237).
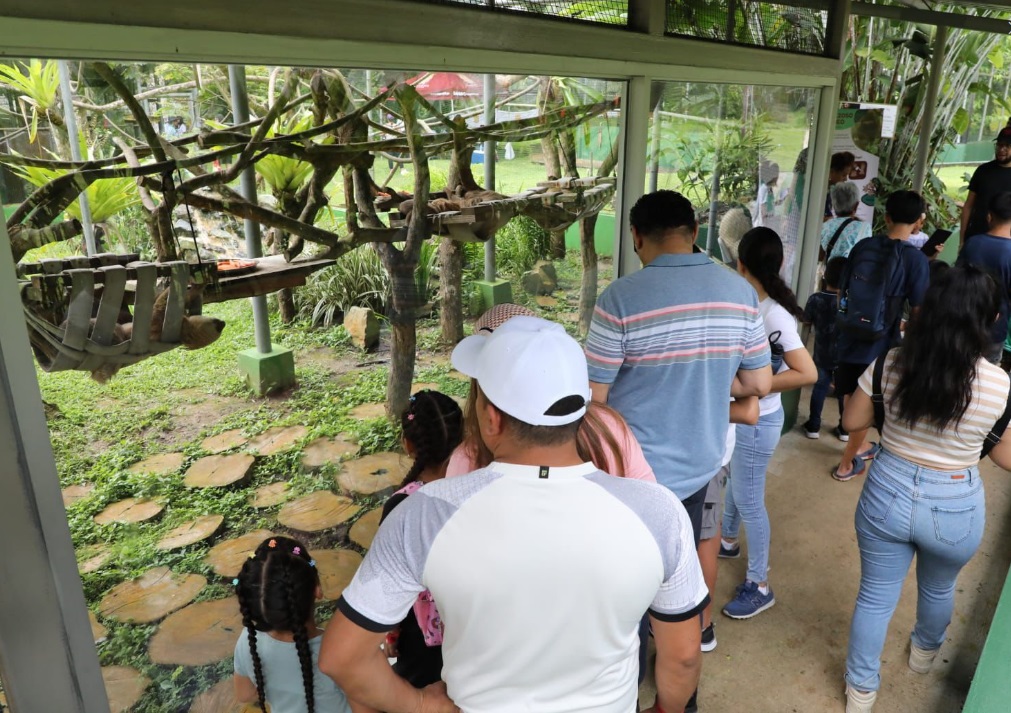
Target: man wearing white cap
(542, 565)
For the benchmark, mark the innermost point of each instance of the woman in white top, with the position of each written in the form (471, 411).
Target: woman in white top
(759, 259)
(923, 495)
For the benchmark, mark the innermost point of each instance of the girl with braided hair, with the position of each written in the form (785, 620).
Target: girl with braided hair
(432, 428)
(277, 657)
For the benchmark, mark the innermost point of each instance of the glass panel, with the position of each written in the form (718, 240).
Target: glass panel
(132, 453)
(606, 12)
(746, 22)
(737, 151)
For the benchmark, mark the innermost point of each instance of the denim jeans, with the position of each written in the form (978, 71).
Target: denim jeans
(818, 393)
(906, 509)
(745, 498)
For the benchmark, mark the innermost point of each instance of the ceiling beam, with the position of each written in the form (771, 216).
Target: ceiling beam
(932, 17)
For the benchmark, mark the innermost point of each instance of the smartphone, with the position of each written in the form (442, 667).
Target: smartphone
(936, 238)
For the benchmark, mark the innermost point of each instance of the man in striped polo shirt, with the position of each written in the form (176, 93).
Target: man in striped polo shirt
(670, 344)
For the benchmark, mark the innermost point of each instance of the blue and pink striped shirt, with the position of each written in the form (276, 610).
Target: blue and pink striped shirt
(669, 340)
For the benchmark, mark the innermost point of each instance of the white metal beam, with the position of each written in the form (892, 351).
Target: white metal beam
(379, 34)
(47, 652)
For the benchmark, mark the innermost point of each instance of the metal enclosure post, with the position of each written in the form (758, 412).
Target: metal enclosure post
(489, 170)
(240, 112)
(927, 123)
(634, 144)
(819, 155)
(75, 153)
(47, 651)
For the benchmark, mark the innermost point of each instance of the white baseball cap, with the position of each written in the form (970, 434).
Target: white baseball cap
(531, 369)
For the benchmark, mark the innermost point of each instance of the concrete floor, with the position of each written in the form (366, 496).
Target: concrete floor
(791, 658)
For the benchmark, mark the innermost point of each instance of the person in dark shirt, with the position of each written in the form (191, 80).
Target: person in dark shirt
(987, 181)
(820, 313)
(838, 171)
(991, 251)
(904, 215)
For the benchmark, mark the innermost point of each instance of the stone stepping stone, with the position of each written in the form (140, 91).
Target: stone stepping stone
(124, 686)
(131, 510)
(324, 451)
(219, 471)
(200, 634)
(98, 632)
(74, 493)
(336, 570)
(277, 439)
(163, 464)
(268, 496)
(364, 530)
(220, 698)
(545, 301)
(225, 441)
(190, 533)
(317, 511)
(226, 558)
(373, 473)
(152, 596)
(367, 412)
(94, 558)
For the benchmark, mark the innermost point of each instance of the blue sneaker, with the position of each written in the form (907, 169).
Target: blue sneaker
(749, 602)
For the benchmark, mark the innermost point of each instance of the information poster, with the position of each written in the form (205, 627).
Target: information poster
(859, 131)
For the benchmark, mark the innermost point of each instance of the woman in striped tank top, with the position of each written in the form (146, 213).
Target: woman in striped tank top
(923, 494)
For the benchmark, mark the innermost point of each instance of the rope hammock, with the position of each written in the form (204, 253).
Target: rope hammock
(75, 312)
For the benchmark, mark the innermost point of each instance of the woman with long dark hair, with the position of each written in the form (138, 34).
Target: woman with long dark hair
(923, 494)
(759, 260)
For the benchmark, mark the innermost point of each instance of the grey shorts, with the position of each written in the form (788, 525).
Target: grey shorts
(712, 510)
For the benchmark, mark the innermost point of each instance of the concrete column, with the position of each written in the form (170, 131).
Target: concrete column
(75, 153)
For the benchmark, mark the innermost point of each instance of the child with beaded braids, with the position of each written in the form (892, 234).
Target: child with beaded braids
(277, 657)
(433, 427)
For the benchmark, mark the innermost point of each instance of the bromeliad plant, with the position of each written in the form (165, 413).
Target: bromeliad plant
(37, 84)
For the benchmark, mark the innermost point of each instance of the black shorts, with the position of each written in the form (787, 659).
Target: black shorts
(846, 377)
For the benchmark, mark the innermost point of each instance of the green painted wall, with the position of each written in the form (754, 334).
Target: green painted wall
(603, 235)
(974, 152)
(991, 686)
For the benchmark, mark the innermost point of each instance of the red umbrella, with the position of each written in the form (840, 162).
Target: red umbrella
(446, 85)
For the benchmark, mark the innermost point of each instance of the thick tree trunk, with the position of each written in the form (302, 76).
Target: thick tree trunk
(404, 305)
(588, 283)
(556, 249)
(286, 305)
(450, 297)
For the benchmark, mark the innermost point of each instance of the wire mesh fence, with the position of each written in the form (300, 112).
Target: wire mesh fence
(601, 12)
(746, 22)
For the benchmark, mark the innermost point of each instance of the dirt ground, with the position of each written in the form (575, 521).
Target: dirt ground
(792, 657)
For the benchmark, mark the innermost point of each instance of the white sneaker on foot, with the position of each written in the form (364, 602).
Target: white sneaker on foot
(920, 660)
(859, 701)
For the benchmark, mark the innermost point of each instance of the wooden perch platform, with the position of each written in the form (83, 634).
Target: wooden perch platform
(555, 205)
(272, 274)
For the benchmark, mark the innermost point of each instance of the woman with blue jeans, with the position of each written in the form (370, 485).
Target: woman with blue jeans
(923, 495)
(759, 260)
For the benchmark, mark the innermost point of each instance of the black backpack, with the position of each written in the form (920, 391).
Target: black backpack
(866, 312)
(878, 399)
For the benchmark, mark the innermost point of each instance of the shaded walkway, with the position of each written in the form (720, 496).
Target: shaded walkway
(792, 657)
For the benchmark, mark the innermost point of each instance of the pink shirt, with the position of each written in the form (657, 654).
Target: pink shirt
(636, 466)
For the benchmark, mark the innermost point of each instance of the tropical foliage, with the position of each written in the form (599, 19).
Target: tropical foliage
(37, 84)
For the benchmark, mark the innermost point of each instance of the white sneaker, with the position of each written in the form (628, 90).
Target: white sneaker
(920, 660)
(859, 701)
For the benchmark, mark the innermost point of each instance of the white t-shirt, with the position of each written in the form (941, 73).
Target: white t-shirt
(777, 319)
(955, 447)
(541, 576)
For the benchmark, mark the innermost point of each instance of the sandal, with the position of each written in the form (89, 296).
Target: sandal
(858, 468)
(871, 452)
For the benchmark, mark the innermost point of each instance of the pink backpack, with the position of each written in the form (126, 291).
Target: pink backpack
(425, 610)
